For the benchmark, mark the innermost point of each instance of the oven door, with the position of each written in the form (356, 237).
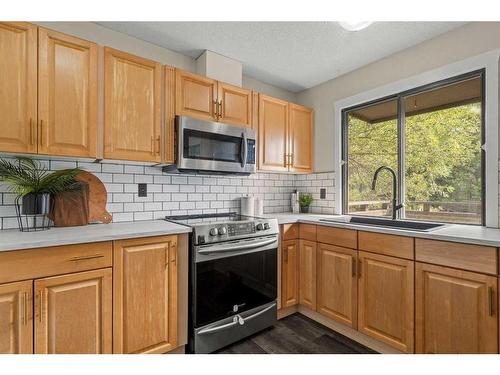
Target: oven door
(212, 146)
(233, 277)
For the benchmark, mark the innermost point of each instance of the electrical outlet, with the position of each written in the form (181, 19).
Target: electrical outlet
(322, 193)
(143, 190)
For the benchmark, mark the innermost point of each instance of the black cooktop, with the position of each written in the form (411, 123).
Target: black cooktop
(191, 220)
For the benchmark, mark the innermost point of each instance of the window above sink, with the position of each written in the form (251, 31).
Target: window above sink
(432, 136)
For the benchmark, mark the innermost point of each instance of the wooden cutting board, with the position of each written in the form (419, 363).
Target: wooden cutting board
(98, 197)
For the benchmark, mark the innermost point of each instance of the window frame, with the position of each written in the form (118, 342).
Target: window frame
(400, 98)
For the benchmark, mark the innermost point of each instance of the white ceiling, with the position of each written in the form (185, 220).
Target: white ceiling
(291, 55)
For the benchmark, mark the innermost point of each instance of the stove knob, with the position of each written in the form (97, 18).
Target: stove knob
(266, 226)
(259, 226)
(214, 232)
(222, 231)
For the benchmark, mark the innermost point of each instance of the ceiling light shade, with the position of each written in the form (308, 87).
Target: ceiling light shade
(354, 25)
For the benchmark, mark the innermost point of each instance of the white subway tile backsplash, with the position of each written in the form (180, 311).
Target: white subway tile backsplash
(170, 194)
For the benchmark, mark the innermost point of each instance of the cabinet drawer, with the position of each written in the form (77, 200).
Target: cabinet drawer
(307, 232)
(337, 236)
(457, 255)
(290, 231)
(387, 244)
(50, 261)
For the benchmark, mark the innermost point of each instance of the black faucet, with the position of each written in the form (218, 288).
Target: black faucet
(395, 207)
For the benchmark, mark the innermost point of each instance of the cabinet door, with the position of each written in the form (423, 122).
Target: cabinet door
(456, 311)
(307, 274)
(18, 87)
(73, 313)
(16, 318)
(273, 134)
(290, 273)
(337, 284)
(386, 300)
(235, 105)
(301, 138)
(196, 96)
(67, 95)
(169, 116)
(145, 295)
(132, 107)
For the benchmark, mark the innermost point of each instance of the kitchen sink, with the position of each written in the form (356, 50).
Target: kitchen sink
(397, 224)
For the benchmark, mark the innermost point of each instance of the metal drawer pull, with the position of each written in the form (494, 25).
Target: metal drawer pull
(491, 299)
(87, 257)
(226, 248)
(237, 320)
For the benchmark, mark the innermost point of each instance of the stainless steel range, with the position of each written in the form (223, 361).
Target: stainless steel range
(233, 278)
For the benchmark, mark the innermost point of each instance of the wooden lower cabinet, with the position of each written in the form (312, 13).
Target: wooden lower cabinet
(73, 313)
(307, 274)
(16, 318)
(289, 273)
(337, 283)
(386, 300)
(145, 295)
(456, 311)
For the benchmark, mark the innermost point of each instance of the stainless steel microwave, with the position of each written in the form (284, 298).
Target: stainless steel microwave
(213, 147)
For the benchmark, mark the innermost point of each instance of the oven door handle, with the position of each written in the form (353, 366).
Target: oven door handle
(233, 247)
(237, 320)
(244, 150)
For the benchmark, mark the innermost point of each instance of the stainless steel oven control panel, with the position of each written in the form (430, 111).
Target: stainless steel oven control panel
(219, 232)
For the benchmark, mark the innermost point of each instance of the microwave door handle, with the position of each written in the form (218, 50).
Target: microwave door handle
(244, 150)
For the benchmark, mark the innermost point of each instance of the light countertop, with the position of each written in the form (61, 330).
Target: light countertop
(16, 240)
(471, 234)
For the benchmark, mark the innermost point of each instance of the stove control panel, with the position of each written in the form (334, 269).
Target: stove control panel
(238, 229)
(225, 231)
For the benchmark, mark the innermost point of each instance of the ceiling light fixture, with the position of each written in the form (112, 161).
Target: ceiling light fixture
(355, 25)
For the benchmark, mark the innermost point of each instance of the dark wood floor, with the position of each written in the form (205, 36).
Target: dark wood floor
(296, 334)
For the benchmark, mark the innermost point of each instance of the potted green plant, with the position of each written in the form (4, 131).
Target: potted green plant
(305, 200)
(34, 184)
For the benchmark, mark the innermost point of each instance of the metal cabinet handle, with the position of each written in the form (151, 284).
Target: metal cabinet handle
(32, 131)
(40, 304)
(285, 254)
(158, 143)
(25, 308)
(491, 301)
(359, 268)
(86, 257)
(292, 159)
(216, 109)
(354, 267)
(221, 115)
(41, 132)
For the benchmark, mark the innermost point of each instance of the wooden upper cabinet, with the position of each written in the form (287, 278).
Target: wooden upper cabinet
(337, 284)
(301, 140)
(67, 95)
(132, 107)
(307, 274)
(169, 115)
(196, 96)
(235, 105)
(74, 313)
(145, 295)
(18, 87)
(386, 300)
(273, 134)
(456, 311)
(16, 318)
(289, 273)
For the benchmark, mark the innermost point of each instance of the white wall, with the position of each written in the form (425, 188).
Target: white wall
(114, 39)
(459, 44)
